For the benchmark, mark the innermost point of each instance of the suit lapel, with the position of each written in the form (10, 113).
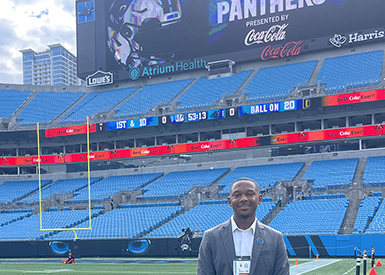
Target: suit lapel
(228, 242)
(259, 239)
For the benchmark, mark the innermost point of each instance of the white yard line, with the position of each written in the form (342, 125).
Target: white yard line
(310, 266)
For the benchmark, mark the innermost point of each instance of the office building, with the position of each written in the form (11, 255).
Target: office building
(56, 66)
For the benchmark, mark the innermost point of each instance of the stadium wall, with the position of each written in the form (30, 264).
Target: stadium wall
(298, 246)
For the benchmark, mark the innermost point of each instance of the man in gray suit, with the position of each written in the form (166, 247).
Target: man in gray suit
(242, 245)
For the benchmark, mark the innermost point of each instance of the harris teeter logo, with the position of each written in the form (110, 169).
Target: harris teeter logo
(137, 72)
(338, 40)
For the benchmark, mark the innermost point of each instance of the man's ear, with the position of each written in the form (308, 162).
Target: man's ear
(260, 199)
(228, 200)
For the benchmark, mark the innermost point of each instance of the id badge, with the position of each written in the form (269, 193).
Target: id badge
(241, 266)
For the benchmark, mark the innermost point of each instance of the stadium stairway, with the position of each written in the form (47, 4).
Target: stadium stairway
(351, 214)
(13, 124)
(317, 69)
(242, 88)
(302, 171)
(164, 222)
(112, 112)
(357, 180)
(55, 122)
(213, 190)
(172, 104)
(354, 195)
(274, 212)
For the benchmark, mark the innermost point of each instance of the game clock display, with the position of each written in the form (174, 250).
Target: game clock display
(197, 116)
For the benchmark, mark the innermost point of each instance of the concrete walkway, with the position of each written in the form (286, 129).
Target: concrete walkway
(309, 266)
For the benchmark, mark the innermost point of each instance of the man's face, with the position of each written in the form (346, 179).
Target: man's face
(244, 199)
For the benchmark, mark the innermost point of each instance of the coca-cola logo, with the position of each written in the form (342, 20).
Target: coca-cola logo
(275, 33)
(353, 98)
(205, 146)
(290, 49)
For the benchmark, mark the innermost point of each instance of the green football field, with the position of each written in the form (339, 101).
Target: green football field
(163, 266)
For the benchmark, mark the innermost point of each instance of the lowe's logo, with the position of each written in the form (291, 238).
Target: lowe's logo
(86, 12)
(99, 78)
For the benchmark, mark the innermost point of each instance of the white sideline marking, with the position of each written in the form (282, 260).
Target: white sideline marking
(48, 271)
(349, 270)
(310, 266)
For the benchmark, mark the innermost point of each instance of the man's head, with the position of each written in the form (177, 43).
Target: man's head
(244, 198)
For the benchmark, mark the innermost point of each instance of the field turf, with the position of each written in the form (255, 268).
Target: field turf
(153, 266)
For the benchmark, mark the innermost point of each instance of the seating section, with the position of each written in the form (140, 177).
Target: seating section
(45, 107)
(206, 92)
(11, 101)
(125, 223)
(11, 191)
(177, 184)
(203, 217)
(104, 189)
(263, 175)
(10, 217)
(278, 82)
(368, 207)
(59, 187)
(378, 223)
(149, 97)
(351, 71)
(374, 174)
(97, 102)
(29, 227)
(310, 217)
(340, 173)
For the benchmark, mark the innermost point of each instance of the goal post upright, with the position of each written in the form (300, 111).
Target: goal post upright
(88, 180)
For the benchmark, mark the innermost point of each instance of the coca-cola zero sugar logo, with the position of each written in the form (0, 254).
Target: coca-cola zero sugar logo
(290, 49)
(275, 33)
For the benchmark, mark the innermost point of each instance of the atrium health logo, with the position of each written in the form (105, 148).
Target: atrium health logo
(134, 73)
(86, 12)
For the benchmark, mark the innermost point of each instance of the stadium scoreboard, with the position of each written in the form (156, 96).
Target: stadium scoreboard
(216, 114)
(247, 110)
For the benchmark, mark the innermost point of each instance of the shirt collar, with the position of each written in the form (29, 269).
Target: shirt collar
(234, 225)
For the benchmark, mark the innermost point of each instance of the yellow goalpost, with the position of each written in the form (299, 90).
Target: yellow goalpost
(89, 186)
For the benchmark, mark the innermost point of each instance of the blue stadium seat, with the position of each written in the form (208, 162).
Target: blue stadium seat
(263, 175)
(322, 216)
(351, 71)
(203, 217)
(197, 97)
(11, 101)
(340, 173)
(274, 83)
(45, 107)
(149, 97)
(177, 184)
(104, 189)
(97, 102)
(368, 207)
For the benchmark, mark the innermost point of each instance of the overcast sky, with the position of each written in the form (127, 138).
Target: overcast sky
(33, 24)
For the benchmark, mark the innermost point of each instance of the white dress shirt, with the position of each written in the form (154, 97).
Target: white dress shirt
(243, 238)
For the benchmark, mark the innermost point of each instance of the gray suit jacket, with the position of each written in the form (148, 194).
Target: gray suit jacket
(216, 252)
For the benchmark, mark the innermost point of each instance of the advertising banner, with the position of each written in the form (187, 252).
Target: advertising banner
(145, 38)
(137, 152)
(67, 131)
(341, 133)
(341, 99)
